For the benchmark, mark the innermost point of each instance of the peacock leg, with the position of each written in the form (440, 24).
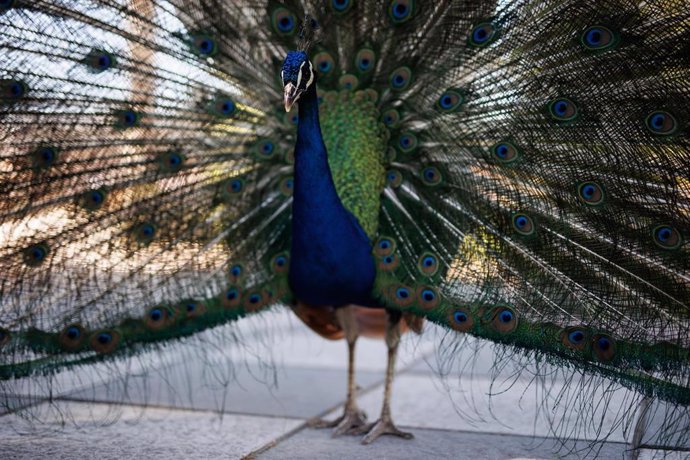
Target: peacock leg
(385, 425)
(352, 418)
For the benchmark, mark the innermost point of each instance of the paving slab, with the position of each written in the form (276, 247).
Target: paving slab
(137, 433)
(431, 444)
(249, 389)
(483, 405)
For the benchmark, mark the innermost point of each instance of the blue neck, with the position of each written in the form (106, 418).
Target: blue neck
(330, 259)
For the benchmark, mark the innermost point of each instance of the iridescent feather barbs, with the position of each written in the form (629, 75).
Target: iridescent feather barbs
(519, 168)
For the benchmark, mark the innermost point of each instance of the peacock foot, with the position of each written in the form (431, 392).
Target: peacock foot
(381, 427)
(350, 422)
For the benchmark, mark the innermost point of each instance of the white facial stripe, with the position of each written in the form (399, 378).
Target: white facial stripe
(282, 75)
(311, 75)
(299, 75)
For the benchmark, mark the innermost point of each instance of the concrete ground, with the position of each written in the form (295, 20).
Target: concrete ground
(255, 402)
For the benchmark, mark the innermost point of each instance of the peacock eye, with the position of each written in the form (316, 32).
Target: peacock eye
(400, 78)
(391, 118)
(224, 107)
(591, 193)
(431, 176)
(190, 307)
(93, 199)
(450, 101)
(13, 89)
(407, 142)
(400, 11)
(234, 186)
(283, 21)
(36, 254)
(598, 38)
(661, 122)
(236, 270)
(205, 45)
(394, 178)
(73, 332)
(127, 118)
(504, 320)
(348, 81)
(44, 157)
(341, 6)
(231, 294)
(667, 237)
(523, 224)
(461, 320)
(324, 63)
(280, 264)
(604, 347)
(402, 293)
(428, 297)
(99, 60)
(505, 152)
(171, 161)
(145, 232)
(576, 337)
(482, 34)
(428, 264)
(365, 60)
(287, 186)
(562, 109)
(104, 338)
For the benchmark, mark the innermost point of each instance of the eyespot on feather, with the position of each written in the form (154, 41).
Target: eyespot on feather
(280, 264)
(45, 157)
(562, 109)
(287, 186)
(284, 22)
(400, 79)
(661, 123)
(394, 178)
(12, 90)
(348, 81)
(255, 300)
(431, 176)
(36, 254)
(590, 193)
(604, 347)
(231, 297)
(523, 224)
(104, 341)
(323, 63)
(598, 38)
(145, 232)
(401, 295)
(158, 318)
(127, 118)
(171, 162)
(575, 338)
(505, 152)
(384, 246)
(192, 308)
(401, 11)
(503, 319)
(428, 297)
(461, 319)
(450, 101)
(99, 60)
(92, 199)
(428, 264)
(365, 60)
(482, 35)
(389, 263)
(667, 237)
(204, 45)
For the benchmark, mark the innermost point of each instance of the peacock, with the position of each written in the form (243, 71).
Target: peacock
(514, 170)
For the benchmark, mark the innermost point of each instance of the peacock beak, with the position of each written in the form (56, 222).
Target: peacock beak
(292, 94)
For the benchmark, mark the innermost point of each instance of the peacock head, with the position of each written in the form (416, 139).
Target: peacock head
(297, 75)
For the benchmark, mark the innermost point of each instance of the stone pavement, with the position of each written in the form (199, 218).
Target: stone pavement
(255, 402)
